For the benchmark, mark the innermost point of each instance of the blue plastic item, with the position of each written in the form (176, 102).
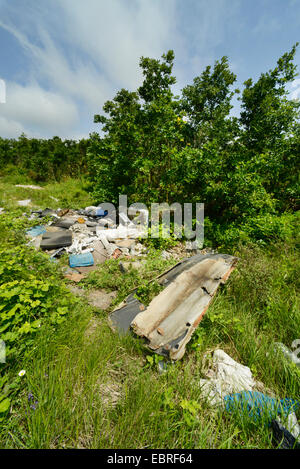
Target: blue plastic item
(258, 404)
(36, 231)
(81, 260)
(99, 212)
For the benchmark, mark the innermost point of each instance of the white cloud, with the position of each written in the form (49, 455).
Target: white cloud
(116, 34)
(2, 91)
(10, 128)
(295, 94)
(82, 52)
(32, 109)
(105, 40)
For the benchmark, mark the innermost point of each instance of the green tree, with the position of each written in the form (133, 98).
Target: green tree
(142, 131)
(268, 115)
(207, 104)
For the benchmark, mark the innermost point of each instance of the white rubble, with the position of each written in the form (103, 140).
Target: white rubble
(24, 203)
(29, 187)
(109, 248)
(120, 232)
(226, 376)
(82, 239)
(106, 221)
(291, 424)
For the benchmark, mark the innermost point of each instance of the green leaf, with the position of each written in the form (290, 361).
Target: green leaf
(4, 405)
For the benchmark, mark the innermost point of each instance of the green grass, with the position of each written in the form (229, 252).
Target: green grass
(93, 392)
(142, 277)
(69, 194)
(96, 389)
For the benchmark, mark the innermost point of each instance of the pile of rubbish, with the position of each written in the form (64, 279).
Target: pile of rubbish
(88, 236)
(92, 235)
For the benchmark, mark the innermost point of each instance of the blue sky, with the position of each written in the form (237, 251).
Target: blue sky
(62, 59)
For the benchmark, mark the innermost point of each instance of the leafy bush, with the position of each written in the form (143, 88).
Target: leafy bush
(26, 300)
(261, 229)
(32, 295)
(158, 147)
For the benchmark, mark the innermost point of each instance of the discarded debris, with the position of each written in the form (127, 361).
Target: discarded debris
(106, 222)
(81, 260)
(162, 367)
(125, 243)
(179, 308)
(95, 212)
(231, 386)
(257, 405)
(24, 203)
(46, 212)
(283, 437)
(166, 255)
(35, 242)
(122, 317)
(291, 424)
(57, 253)
(62, 212)
(121, 232)
(56, 240)
(117, 253)
(30, 186)
(65, 223)
(36, 231)
(225, 376)
(54, 229)
(172, 316)
(124, 220)
(191, 246)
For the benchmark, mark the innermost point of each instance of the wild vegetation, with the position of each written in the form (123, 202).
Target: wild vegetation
(158, 147)
(43, 160)
(84, 386)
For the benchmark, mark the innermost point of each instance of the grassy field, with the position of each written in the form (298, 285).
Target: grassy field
(87, 387)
